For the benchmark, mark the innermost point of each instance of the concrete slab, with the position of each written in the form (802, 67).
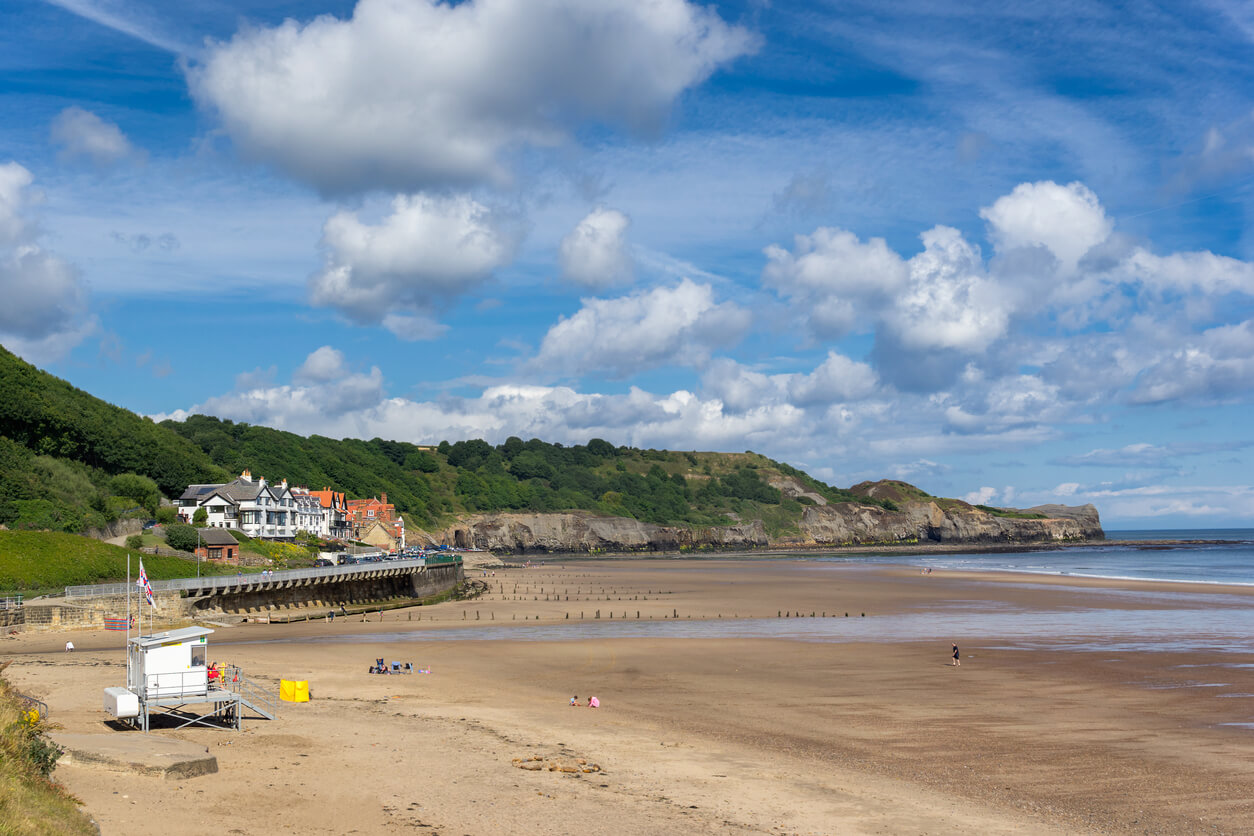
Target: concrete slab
(143, 754)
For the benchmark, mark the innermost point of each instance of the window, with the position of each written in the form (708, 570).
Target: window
(198, 655)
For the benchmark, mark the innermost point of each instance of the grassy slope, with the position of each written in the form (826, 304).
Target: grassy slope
(30, 804)
(41, 561)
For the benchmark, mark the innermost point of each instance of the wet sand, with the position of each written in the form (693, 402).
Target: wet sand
(856, 733)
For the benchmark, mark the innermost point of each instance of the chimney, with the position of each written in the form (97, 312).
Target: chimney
(384, 500)
(246, 476)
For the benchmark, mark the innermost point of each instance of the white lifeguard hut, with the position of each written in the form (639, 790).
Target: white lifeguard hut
(169, 672)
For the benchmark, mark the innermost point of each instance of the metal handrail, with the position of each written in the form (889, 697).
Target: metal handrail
(213, 583)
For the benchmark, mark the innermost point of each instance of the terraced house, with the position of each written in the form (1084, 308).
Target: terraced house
(251, 505)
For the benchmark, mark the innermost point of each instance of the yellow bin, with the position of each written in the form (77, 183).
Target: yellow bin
(291, 690)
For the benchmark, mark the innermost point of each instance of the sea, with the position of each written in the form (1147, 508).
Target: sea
(1210, 555)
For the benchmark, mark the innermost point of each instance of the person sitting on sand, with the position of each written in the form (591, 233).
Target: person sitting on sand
(593, 702)
(69, 647)
(574, 701)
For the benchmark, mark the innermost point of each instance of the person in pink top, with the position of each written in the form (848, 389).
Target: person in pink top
(593, 702)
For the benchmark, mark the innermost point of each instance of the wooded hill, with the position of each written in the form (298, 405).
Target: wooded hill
(69, 461)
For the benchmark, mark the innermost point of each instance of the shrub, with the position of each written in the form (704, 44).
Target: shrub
(200, 517)
(181, 536)
(135, 542)
(167, 515)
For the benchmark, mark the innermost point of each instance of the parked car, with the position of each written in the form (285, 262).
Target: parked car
(323, 561)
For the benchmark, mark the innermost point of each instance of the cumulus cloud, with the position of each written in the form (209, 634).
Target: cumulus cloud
(410, 95)
(950, 302)
(837, 380)
(82, 135)
(428, 251)
(323, 365)
(665, 326)
(1066, 220)
(1094, 315)
(836, 277)
(45, 313)
(595, 253)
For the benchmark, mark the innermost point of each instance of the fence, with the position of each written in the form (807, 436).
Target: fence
(257, 580)
(13, 603)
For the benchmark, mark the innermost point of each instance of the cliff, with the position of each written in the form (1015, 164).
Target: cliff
(911, 518)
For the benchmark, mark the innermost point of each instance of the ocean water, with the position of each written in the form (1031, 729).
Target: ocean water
(1216, 556)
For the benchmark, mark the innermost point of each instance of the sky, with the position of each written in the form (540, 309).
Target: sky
(1000, 251)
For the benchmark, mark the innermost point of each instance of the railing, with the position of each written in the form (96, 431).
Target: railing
(233, 679)
(32, 704)
(193, 683)
(14, 603)
(215, 583)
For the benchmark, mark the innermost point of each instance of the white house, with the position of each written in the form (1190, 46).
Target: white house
(247, 504)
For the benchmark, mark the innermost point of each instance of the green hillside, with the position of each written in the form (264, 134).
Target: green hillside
(42, 561)
(69, 461)
(433, 484)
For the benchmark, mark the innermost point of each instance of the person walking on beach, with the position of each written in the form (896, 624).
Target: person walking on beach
(957, 656)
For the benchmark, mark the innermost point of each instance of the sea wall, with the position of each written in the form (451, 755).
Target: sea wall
(171, 608)
(430, 581)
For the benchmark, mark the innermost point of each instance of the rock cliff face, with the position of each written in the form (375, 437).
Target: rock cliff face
(926, 521)
(581, 532)
(834, 524)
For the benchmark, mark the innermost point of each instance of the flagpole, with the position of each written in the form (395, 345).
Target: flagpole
(128, 619)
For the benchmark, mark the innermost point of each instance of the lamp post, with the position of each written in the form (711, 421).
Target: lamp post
(198, 554)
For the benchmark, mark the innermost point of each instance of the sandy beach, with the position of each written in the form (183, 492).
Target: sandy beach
(726, 707)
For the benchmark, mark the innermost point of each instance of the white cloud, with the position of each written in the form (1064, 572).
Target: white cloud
(836, 277)
(983, 496)
(323, 365)
(837, 380)
(14, 227)
(82, 134)
(1215, 365)
(409, 95)
(595, 253)
(949, 302)
(45, 311)
(1067, 220)
(663, 326)
(428, 251)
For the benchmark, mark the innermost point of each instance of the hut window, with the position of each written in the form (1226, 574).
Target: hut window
(198, 656)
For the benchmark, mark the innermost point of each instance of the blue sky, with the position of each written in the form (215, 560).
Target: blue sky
(1002, 253)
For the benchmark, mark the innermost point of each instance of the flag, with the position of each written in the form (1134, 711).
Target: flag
(143, 584)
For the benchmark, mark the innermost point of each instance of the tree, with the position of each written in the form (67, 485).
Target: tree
(200, 517)
(139, 488)
(181, 536)
(166, 514)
